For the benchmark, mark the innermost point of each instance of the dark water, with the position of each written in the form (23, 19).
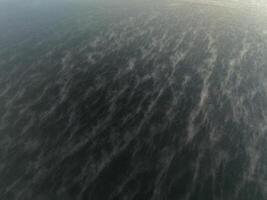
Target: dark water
(132, 102)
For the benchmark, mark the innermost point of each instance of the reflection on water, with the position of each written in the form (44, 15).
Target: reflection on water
(134, 102)
(227, 3)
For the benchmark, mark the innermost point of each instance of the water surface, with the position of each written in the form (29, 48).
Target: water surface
(132, 101)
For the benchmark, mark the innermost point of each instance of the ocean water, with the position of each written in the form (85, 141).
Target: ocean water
(133, 101)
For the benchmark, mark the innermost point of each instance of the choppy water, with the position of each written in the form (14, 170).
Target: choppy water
(133, 103)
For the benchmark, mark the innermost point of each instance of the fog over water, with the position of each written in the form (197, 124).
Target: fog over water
(133, 100)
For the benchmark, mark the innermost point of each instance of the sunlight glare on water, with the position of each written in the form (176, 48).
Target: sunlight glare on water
(227, 3)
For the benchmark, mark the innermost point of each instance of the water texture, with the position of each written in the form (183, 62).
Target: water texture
(133, 103)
